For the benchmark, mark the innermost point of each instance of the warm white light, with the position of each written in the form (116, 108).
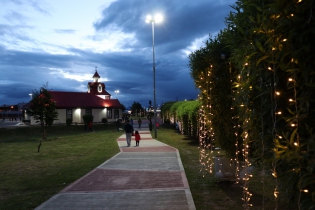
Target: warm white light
(148, 19)
(278, 93)
(156, 19)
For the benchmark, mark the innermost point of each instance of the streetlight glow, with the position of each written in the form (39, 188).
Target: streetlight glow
(157, 19)
(116, 91)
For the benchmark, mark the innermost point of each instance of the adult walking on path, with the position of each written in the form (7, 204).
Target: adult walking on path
(128, 130)
(139, 122)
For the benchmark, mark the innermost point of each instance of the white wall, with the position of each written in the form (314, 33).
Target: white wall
(77, 115)
(61, 116)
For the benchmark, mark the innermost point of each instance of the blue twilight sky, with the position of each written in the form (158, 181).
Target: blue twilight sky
(60, 42)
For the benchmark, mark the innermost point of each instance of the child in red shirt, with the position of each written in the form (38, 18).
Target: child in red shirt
(137, 138)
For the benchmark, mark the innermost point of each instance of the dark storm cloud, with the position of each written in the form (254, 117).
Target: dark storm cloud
(129, 68)
(40, 59)
(182, 23)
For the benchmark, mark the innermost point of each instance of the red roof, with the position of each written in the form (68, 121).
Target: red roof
(96, 75)
(82, 100)
(94, 88)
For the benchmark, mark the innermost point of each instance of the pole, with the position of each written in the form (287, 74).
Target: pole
(154, 92)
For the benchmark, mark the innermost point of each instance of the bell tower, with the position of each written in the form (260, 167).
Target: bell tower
(97, 88)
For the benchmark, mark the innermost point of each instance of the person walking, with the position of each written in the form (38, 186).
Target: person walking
(90, 126)
(139, 122)
(137, 138)
(128, 130)
(157, 125)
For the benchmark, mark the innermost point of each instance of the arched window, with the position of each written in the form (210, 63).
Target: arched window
(99, 88)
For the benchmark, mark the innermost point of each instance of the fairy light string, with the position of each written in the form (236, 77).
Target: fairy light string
(206, 135)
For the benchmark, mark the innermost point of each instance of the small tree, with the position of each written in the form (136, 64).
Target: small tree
(88, 118)
(123, 107)
(136, 108)
(43, 110)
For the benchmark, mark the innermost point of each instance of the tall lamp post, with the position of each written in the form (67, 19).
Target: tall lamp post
(155, 19)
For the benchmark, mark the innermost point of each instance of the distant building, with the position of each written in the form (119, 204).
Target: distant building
(11, 111)
(73, 105)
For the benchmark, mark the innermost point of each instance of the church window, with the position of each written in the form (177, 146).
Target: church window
(109, 113)
(88, 111)
(69, 114)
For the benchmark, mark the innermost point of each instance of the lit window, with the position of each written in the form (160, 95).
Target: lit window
(109, 113)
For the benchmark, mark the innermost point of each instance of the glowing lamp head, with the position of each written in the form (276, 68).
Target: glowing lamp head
(156, 19)
(148, 19)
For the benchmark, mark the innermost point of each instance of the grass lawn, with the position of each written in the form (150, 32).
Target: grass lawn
(28, 178)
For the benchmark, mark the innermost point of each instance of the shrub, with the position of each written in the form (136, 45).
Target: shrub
(87, 118)
(104, 120)
(69, 121)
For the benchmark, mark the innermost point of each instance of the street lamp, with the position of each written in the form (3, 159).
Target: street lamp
(155, 19)
(30, 95)
(116, 91)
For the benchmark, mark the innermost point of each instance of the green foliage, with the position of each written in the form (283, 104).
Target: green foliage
(136, 108)
(43, 109)
(87, 118)
(123, 107)
(212, 76)
(104, 120)
(68, 121)
(266, 43)
(173, 110)
(166, 111)
(185, 112)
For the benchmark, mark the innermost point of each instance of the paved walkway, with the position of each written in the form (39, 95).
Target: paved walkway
(147, 177)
